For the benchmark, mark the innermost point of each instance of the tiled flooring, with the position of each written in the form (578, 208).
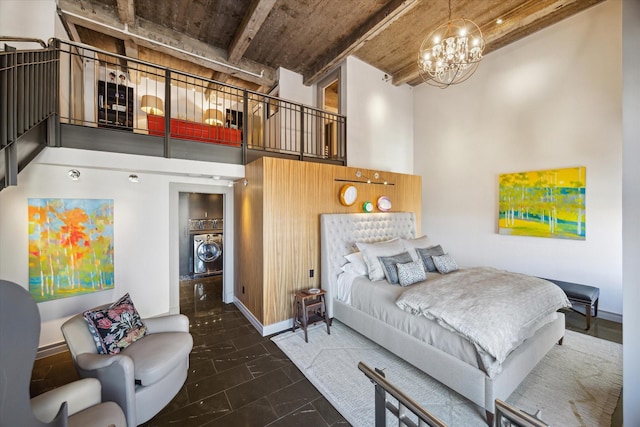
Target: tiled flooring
(238, 378)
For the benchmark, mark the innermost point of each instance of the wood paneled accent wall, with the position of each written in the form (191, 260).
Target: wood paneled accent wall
(277, 231)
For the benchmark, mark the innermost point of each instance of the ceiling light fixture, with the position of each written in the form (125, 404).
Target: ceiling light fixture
(134, 178)
(451, 53)
(74, 174)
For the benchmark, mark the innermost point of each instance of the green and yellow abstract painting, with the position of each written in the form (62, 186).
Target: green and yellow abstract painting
(548, 203)
(70, 247)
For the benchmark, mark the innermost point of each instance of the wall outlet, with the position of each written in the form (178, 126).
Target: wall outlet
(311, 272)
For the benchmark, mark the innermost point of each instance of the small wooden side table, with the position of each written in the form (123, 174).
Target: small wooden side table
(309, 308)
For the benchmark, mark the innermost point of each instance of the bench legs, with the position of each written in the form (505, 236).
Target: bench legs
(587, 311)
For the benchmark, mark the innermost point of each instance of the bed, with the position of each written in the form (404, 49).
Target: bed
(461, 370)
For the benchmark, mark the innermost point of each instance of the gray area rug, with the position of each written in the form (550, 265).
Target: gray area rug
(576, 384)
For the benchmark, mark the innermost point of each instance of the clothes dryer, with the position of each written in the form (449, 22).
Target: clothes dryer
(207, 254)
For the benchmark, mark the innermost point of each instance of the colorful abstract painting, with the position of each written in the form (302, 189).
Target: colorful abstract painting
(70, 247)
(548, 203)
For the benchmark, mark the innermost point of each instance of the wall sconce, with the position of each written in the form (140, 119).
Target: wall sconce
(152, 105)
(134, 178)
(377, 176)
(74, 174)
(213, 116)
(359, 175)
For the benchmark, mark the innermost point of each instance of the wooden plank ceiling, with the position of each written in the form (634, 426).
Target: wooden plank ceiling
(244, 42)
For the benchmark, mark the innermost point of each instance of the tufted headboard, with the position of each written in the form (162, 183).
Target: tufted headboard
(340, 232)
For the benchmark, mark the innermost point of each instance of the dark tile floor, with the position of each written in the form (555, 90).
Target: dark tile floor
(238, 378)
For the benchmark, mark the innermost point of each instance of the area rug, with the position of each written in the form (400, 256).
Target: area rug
(576, 384)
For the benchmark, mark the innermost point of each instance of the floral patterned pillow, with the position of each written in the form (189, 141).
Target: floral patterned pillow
(116, 327)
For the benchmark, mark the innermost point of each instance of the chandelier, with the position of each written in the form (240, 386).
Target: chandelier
(451, 53)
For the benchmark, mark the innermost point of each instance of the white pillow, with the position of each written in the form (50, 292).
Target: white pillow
(412, 244)
(354, 269)
(356, 263)
(371, 252)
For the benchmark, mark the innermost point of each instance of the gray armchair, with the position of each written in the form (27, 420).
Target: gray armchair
(75, 404)
(146, 375)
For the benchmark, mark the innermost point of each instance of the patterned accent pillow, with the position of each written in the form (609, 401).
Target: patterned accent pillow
(389, 265)
(445, 263)
(427, 253)
(116, 327)
(410, 273)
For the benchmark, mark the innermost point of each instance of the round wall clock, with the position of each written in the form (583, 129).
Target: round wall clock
(348, 194)
(367, 207)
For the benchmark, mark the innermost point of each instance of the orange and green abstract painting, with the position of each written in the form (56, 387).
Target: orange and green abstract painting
(548, 203)
(70, 247)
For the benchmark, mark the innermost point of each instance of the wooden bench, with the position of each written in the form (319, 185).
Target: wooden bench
(584, 296)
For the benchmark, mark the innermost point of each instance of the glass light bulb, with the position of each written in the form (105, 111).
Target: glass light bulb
(463, 32)
(436, 39)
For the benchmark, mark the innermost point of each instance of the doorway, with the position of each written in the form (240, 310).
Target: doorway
(207, 212)
(201, 250)
(329, 98)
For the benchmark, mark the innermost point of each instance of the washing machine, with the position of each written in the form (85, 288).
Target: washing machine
(207, 254)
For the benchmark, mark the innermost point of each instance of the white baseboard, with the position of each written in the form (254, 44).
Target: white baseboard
(264, 330)
(52, 349)
(614, 317)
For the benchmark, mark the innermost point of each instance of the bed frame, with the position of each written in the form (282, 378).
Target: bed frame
(339, 232)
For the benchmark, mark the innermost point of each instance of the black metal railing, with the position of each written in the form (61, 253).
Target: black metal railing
(405, 405)
(28, 95)
(78, 85)
(114, 91)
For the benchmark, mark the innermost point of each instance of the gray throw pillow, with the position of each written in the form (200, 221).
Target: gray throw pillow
(427, 253)
(389, 265)
(410, 273)
(445, 263)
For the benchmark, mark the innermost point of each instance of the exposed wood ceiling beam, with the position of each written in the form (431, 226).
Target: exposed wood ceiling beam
(519, 22)
(348, 45)
(127, 11)
(170, 42)
(251, 23)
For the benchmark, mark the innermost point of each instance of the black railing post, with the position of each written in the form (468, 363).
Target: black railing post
(167, 112)
(53, 123)
(245, 125)
(302, 132)
(380, 406)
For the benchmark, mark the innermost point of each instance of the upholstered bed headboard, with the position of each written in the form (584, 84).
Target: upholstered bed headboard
(340, 232)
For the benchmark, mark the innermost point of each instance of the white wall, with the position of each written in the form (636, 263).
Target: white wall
(39, 14)
(292, 88)
(631, 210)
(145, 223)
(380, 120)
(551, 100)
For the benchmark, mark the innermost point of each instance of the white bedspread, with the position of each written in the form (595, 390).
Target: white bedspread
(496, 310)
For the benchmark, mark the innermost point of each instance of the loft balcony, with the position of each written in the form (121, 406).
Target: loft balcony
(72, 95)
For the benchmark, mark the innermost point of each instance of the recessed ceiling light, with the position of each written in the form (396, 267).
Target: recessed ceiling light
(74, 174)
(499, 21)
